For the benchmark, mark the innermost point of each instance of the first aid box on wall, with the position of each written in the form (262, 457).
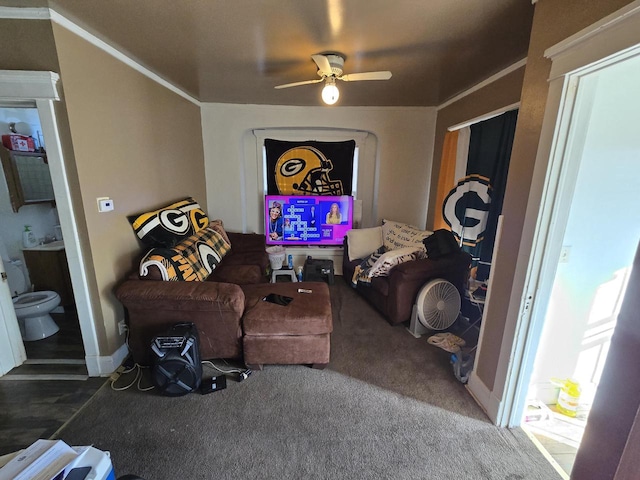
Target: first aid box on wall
(19, 143)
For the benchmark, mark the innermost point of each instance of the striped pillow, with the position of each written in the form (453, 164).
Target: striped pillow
(169, 225)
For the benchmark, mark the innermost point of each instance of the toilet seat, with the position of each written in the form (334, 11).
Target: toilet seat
(33, 299)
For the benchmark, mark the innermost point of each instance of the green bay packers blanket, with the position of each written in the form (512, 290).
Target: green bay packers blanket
(194, 259)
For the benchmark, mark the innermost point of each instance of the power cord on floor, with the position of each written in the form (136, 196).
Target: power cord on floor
(137, 379)
(243, 374)
(122, 370)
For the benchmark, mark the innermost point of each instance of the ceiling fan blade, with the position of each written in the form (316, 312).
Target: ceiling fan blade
(296, 84)
(323, 64)
(356, 77)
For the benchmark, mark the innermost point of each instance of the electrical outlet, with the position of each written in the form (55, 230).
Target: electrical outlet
(564, 254)
(122, 327)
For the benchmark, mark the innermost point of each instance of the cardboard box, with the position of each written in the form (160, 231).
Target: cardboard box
(19, 143)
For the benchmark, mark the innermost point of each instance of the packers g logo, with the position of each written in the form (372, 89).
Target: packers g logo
(174, 221)
(466, 208)
(210, 258)
(292, 166)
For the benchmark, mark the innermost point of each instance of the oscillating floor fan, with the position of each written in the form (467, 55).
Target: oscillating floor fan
(437, 307)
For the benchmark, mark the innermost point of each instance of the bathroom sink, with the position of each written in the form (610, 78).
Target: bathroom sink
(58, 245)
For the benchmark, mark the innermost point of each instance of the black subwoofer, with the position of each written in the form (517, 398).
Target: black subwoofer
(177, 369)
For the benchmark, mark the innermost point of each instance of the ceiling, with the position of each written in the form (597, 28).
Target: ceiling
(237, 51)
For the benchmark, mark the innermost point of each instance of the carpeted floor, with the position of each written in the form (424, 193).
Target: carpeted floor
(387, 406)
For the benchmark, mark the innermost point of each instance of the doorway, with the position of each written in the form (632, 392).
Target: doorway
(39, 90)
(29, 203)
(593, 234)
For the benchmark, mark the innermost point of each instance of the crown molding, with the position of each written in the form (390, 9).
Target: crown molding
(484, 83)
(486, 116)
(617, 18)
(50, 14)
(20, 84)
(27, 13)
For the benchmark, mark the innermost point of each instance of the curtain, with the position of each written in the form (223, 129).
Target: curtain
(472, 208)
(309, 167)
(447, 176)
(453, 167)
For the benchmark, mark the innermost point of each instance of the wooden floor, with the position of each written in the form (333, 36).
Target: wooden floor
(40, 396)
(67, 343)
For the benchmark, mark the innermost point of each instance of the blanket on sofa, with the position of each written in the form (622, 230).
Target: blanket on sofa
(381, 262)
(194, 259)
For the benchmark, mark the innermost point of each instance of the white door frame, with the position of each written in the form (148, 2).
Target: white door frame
(608, 42)
(40, 88)
(12, 353)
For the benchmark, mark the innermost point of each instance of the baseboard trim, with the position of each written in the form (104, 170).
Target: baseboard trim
(54, 361)
(44, 377)
(484, 397)
(105, 366)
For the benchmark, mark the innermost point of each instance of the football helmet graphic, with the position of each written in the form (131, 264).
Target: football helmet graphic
(305, 171)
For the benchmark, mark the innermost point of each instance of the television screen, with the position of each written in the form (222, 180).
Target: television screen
(307, 220)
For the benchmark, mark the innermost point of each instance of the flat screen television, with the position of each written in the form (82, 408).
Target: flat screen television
(307, 219)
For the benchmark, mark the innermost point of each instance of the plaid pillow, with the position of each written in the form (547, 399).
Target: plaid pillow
(169, 225)
(192, 260)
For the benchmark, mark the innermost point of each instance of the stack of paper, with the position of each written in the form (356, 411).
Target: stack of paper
(43, 460)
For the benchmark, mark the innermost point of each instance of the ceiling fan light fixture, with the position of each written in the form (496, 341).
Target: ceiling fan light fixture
(330, 92)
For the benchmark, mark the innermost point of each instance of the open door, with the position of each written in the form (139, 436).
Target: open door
(12, 352)
(615, 407)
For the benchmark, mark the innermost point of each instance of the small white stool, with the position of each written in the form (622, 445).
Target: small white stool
(286, 272)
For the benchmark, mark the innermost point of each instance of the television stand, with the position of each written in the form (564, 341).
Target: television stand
(324, 252)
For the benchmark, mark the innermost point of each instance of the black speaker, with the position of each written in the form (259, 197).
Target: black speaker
(318, 271)
(177, 369)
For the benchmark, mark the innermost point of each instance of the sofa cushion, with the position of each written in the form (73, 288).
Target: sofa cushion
(169, 225)
(307, 314)
(239, 274)
(362, 242)
(399, 235)
(194, 259)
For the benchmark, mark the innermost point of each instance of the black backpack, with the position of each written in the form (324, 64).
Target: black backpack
(442, 242)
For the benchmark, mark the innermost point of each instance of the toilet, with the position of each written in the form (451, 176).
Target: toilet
(33, 308)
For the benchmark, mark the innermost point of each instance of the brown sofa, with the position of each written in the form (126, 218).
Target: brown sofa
(215, 306)
(395, 294)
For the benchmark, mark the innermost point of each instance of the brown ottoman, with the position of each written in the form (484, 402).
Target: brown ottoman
(298, 333)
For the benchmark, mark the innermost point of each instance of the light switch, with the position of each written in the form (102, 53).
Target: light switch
(105, 204)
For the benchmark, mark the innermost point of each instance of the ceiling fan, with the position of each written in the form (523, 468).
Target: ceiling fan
(330, 68)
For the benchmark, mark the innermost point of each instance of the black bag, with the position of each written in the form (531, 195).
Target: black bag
(442, 242)
(177, 369)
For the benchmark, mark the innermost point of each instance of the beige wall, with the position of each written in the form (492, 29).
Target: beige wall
(404, 137)
(554, 20)
(27, 45)
(135, 142)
